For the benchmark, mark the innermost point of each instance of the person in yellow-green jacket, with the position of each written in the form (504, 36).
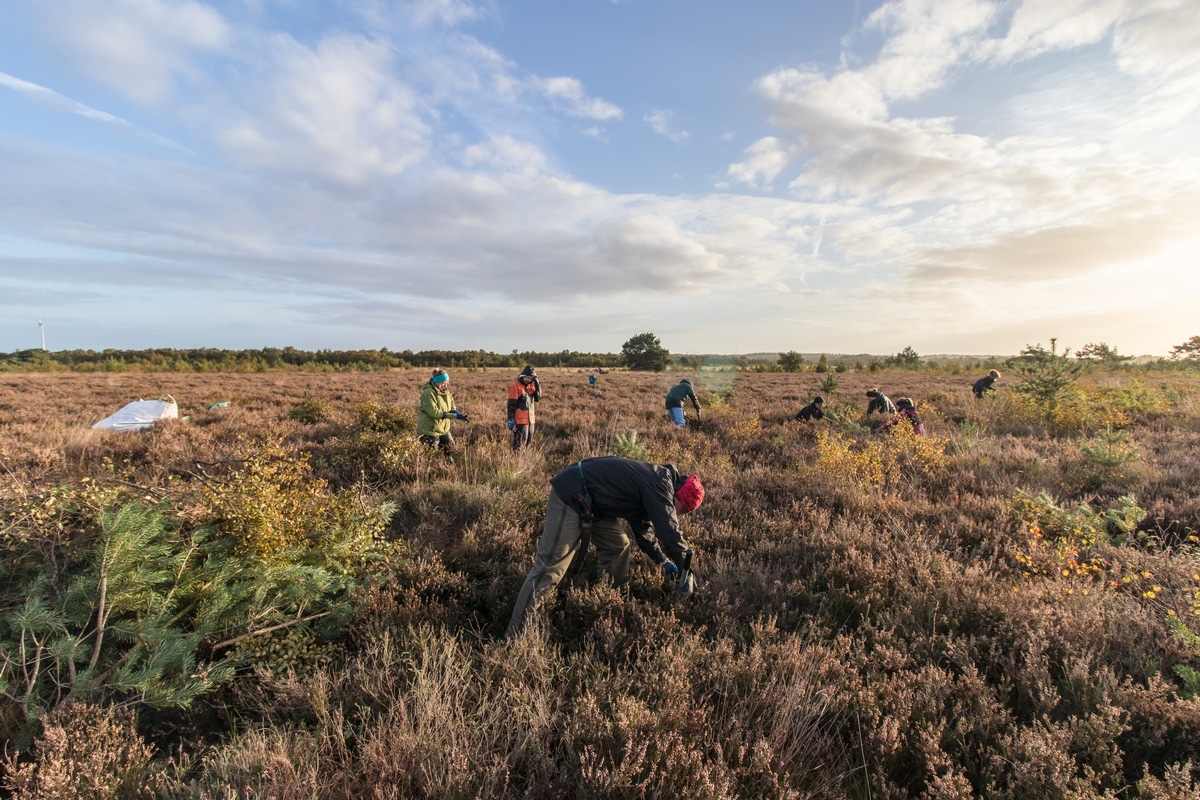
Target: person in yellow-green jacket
(437, 409)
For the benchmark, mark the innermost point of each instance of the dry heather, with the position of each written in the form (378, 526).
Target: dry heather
(1007, 608)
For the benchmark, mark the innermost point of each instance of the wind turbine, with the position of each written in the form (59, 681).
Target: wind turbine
(42, 328)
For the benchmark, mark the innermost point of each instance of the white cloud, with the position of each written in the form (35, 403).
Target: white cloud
(1149, 37)
(1124, 233)
(445, 12)
(569, 94)
(1160, 37)
(765, 160)
(978, 206)
(505, 155)
(807, 99)
(927, 39)
(661, 122)
(335, 111)
(138, 48)
(1042, 26)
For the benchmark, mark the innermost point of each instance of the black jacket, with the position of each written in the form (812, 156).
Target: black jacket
(982, 385)
(810, 412)
(882, 404)
(642, 494)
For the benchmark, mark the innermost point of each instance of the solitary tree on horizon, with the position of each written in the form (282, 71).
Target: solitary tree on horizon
(645, 352)
(791, 361)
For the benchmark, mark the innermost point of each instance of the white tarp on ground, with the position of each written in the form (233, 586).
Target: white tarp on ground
(140, 415)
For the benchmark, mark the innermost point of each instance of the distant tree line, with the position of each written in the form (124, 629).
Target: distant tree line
(642, 352)
(286, 359)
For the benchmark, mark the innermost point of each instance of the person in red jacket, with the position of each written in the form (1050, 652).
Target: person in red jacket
(523, 395)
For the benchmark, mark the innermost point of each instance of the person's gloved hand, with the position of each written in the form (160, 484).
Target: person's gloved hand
(670, 570)
(511, 424)
(460, 415)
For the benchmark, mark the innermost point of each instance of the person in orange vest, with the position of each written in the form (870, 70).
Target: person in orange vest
(523, 395)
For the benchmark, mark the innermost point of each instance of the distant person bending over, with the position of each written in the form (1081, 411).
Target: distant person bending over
(436, 411)
(523, 395)
(906, 412)
(680, 392)
(879, 402)
(985, 384)
(587, 501)
(813, 411)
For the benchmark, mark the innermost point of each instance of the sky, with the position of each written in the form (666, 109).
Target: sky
(955, 176)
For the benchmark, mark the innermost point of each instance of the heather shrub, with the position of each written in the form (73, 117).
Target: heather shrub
(1178, 783)
(378, 446)
(875, 615)
(1068, 541)
(272, 507)
(380, 458)
(882, 466)
(376, 417)
(1134, 399)
(312, 411)
(87, 752)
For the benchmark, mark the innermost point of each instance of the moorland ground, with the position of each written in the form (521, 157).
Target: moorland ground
(287, 596)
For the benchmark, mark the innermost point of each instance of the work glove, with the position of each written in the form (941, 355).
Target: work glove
(460, 415)
(670, 570)
(511, 424)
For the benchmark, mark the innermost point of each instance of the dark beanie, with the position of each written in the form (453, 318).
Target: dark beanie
(528, 370)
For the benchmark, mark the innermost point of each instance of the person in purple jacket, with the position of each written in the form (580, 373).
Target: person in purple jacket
(906, 410)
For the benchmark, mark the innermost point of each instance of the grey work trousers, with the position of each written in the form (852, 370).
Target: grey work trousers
(556, 549)
(522, 435)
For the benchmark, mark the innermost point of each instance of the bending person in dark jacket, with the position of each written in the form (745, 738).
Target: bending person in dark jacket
(650, 497)
(813, 411)
(879, 402)
(985, 384)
